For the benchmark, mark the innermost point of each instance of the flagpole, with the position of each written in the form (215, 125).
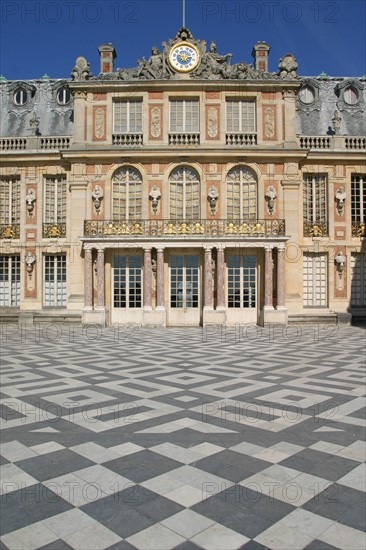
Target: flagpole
(184, 13)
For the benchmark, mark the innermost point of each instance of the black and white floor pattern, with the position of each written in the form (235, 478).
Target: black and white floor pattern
(213, 438)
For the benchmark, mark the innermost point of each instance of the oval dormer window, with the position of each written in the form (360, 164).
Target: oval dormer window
(63, 96)
(307, 95)
(20, 97)
(350, 96)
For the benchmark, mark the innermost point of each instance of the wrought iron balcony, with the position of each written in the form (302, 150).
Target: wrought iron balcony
(54, 230)
(359, 229)
(315, 229)
(184, 228)
(10, 231)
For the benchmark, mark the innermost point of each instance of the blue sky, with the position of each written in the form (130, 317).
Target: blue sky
(46, 36)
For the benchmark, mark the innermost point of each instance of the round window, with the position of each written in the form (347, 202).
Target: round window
(20, 97)
(350, 96)
(307, 95)
(63, 96)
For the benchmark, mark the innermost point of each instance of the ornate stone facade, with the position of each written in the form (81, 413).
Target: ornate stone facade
(186, 190)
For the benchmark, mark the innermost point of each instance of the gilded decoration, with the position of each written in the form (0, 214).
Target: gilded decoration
(163, 228)
(185, 55)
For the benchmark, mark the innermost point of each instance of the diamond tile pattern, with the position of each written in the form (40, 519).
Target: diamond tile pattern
(182, 439)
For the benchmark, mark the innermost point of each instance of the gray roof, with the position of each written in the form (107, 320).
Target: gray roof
(54, 119)
(57, 120)
(316, 118)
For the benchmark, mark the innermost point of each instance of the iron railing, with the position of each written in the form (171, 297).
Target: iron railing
(10, 231)
(184, 228)
(54, 230)
(359, 229)
(315, 229)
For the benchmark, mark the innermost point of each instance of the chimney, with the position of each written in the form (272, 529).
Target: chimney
(260, 54)
(107, 55)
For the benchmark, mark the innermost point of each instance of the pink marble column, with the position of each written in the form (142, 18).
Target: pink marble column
(88, 278)
(208, 279)
(100, 278)
(281, 276)
(160, 278)
(147, 279)
(268, 279)
(220, 278)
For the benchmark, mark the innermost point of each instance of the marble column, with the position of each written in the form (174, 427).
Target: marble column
(147, 279)
(160, 278)
(268, 279)
(208, 279)
(220, 278)
(88, 278)
(280, 277)
(100, 279)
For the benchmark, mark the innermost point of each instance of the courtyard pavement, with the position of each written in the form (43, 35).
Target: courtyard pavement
(212, 438)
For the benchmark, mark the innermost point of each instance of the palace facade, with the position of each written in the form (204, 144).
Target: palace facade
(185, 191)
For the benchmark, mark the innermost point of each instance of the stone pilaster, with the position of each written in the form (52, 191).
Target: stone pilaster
(208, 303)
(268, 279)
(280, 277)
(160, 278)
(221, 278)
(88, 279)
(100, 279)
(147, 279)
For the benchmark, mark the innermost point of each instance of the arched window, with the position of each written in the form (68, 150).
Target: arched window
(184, 194)
(241, 194)
(127, 194)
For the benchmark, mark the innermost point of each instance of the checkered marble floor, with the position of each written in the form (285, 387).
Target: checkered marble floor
(212, 438)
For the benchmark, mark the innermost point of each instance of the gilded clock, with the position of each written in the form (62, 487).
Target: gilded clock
(184, 57)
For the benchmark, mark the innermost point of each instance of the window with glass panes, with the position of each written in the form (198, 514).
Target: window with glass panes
(55, 199)
(127, 194)
(184, 115)
(240, 116)
(241, 274)
(9, 281)
(127, 117)
(127, 281)
(358, 198)
(184, 194)
(358, 280)
(315, 198)
(241, 185)
(55, 280)
(10, 201)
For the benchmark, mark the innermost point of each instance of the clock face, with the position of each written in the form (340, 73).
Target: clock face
(184, 57)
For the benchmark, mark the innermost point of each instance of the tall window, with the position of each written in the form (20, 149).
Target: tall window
(127, 117)
(241, 194)
(55, 199)
(240, 116)
(184, 115)
(127, 194)
(358, 198)
(315, 197)
(315, 280)
(127, 280)
(241, 281)
(55, 280)
(358, 280)
(10, 201)
(9, 280)
(184, 194)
